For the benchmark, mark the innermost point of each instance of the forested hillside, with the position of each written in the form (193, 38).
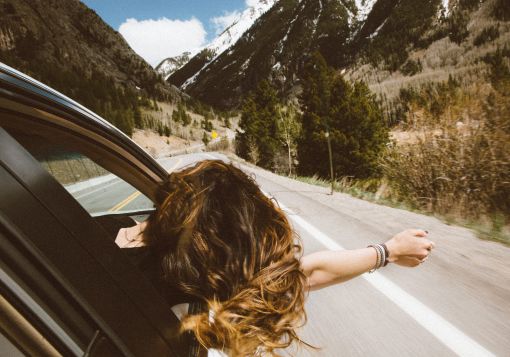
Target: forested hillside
(67, 46)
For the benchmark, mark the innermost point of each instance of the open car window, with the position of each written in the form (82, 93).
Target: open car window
(95, 188)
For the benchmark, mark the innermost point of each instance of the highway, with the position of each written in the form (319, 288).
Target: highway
(457, 303)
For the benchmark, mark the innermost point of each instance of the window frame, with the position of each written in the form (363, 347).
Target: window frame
(83, 240)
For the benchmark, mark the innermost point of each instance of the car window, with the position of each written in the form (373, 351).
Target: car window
(95, 188)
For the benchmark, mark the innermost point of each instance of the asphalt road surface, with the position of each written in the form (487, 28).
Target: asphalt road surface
(457, 303)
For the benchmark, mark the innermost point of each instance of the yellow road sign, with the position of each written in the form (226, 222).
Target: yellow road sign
(214, 134)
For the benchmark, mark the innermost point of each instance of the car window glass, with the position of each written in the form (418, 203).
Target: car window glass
(96, 189)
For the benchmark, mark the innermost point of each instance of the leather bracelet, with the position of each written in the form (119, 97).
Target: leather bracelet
(386, 261)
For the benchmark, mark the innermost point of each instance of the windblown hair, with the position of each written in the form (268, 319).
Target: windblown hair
(224, 243)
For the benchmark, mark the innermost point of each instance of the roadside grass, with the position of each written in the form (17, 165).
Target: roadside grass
(494, 227)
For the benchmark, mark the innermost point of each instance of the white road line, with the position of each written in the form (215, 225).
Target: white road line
(443, 330)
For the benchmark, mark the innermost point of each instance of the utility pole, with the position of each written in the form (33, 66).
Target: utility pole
(330, 161)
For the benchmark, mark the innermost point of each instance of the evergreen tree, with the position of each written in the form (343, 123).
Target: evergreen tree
(358, 130)
(206, 122)
(314, 101)
(167, 130)
(175, 116)
(257, 139)
(205, 139)
(351, 115)
(137, 116)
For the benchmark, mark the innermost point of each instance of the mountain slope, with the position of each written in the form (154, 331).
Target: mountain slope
(386, 35)
(274, 47)
(67, 46)
(220, 44)
(46, 37)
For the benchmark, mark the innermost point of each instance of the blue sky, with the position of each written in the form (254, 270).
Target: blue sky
(157, 29)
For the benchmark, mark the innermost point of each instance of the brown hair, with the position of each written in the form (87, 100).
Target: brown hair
(224, 243)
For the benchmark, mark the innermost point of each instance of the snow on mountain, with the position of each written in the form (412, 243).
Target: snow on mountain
(172, 64)
(232, 33)
(446, 7)
(242, 23)
(364, 8)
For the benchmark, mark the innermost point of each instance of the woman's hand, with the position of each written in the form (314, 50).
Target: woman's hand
(131, 236)
(409, 248)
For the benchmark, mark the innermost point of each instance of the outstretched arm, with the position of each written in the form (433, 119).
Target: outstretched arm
(408, 248)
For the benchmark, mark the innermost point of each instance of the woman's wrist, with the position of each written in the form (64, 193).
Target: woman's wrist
(392, 251)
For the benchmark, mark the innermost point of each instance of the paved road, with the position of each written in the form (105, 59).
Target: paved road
(457, 303)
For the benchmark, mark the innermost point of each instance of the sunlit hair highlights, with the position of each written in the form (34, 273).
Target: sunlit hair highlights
(224, 243)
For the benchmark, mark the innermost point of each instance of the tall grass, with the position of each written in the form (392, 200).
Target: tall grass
(459, 165)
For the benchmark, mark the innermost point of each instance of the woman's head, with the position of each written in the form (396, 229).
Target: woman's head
(223, 242)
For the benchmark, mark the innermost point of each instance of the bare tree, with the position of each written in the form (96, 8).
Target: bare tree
(288, 129)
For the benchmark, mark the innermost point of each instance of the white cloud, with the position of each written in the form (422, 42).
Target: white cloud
(220, 23)
(156, 40)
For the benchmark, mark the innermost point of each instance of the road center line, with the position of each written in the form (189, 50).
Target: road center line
(126, 201)
(443, 330)
(135, 194)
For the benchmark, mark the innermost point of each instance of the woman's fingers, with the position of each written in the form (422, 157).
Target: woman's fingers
(418, 232)
(408, 261)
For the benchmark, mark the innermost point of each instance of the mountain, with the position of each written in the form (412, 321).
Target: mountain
(171, 64)
(222, 42)
(50, 38)
(274, 47)
(67, 46)
(368, 39)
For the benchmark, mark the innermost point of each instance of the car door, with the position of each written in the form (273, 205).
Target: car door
(60, 271)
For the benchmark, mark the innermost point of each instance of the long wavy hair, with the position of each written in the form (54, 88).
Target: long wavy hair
(225, 244)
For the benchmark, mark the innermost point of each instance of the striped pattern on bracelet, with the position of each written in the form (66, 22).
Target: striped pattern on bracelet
(382, 258)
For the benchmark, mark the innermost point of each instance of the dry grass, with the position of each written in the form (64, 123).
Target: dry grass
(457, 165)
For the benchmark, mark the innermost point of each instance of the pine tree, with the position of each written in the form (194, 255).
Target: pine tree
(205, 139)
(315, 101)
(358, 130)
(258, 124)
(351, 115)
(167, 130)
(137, 115)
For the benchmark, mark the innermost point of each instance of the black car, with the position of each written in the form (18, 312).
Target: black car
(66, 288)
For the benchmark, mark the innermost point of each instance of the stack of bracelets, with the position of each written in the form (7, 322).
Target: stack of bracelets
(382, 256)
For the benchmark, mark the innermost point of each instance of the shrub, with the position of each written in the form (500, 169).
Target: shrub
(487, 34)
(411, 67)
